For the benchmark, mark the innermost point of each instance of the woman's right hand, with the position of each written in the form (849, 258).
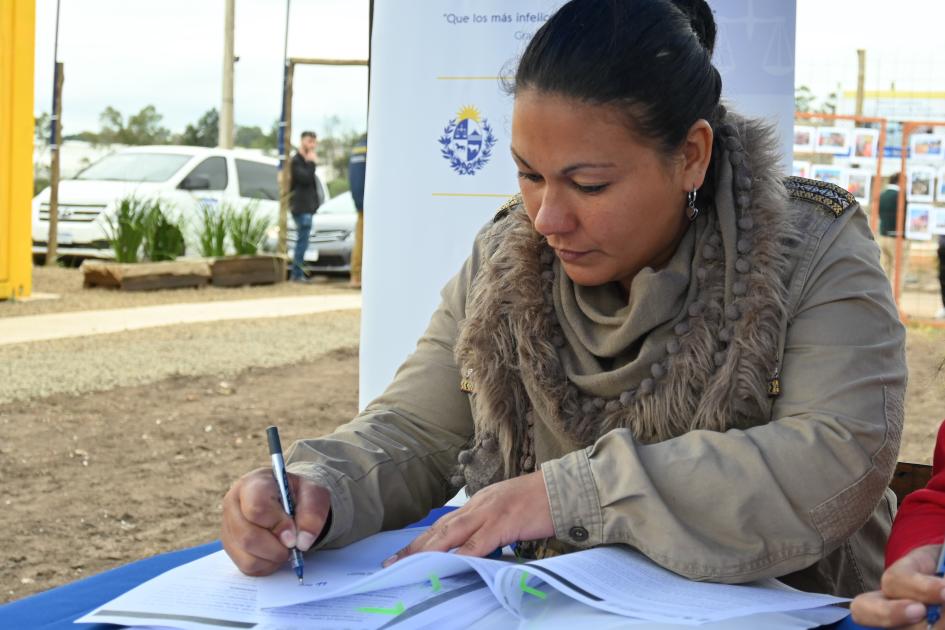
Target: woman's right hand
(257, 533)
(907, 586)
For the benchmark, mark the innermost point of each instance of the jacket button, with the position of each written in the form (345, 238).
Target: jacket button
(578, 533)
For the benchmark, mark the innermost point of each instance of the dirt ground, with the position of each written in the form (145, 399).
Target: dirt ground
(176, 445)
(96, 481)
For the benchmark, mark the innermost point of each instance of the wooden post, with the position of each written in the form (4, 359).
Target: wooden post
(225, 126)
(901, 215)
(877, 187)
(286, 180)
(860, 80)
(52, 241)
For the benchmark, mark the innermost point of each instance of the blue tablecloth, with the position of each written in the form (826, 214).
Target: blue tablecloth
(59, 607)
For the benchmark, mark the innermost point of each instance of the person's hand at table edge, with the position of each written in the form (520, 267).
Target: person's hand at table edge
(257, 533)
(907, 586)
(500, 514)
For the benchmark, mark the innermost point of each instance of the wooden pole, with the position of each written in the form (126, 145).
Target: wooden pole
(225, 129)
(860, 80)
(877, 187)
(328, 62)
(286, 180)
(52, 242)
(901, 215)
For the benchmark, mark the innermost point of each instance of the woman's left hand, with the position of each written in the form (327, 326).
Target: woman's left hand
(497, 515)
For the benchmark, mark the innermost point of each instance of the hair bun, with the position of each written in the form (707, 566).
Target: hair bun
(700, 19)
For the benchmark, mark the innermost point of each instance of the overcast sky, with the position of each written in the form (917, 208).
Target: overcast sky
(131, 53)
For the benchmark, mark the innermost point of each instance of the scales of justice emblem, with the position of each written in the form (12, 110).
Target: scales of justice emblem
(467, 141)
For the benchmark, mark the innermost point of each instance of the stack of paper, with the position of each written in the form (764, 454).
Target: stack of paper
(346, 588)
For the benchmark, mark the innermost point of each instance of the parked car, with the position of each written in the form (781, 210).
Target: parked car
(332, 239)
(185, 177)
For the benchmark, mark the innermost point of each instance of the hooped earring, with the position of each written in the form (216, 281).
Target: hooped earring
(691, 210)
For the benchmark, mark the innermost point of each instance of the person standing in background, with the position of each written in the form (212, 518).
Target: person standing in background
(888, 202)
(306, 197)
(357, 165)
(941, 275)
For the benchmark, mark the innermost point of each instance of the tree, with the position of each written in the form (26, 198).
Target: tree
(255, 138)
(248, 136)
(144, 127)
(41, 130)
(803, 99)
(141, 128)
(336, 150)
(829, 106)
(205, 133)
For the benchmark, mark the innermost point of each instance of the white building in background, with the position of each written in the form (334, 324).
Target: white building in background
(897, 104)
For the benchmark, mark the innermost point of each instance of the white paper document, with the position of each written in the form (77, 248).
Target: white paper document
(347, 588)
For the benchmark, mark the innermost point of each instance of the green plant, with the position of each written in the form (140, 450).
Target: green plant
(163, 238)
(212, 230)
(125, 229)
(247, 229)
(338, 186)
(39, 183)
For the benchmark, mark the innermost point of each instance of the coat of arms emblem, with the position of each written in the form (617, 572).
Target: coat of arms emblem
(467, 141)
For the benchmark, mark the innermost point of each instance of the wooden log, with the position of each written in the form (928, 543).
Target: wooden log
(235, 271)
(171, 274)
(96, 273)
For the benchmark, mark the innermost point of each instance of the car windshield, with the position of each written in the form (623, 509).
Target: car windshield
(135, 167)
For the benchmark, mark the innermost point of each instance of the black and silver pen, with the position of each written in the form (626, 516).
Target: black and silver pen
(278, 471)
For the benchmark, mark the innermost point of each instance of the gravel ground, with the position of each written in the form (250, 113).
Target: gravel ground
(67, 284)
(85, 364)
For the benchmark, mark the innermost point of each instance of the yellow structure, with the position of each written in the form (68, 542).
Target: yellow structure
(17, 21)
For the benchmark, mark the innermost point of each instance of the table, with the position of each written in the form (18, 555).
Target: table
(57, 608)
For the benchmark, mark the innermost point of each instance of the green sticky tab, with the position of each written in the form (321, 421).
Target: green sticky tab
(396, 610)
(528, 589)
(435, 583)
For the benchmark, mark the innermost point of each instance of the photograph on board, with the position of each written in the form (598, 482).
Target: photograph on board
(833, 140)
(927, 146)
(921, 182)
(937, 219)
(858, 183)
(804, 139)
(918, 226)
(864, 143)
(800, 168)
(830, 174)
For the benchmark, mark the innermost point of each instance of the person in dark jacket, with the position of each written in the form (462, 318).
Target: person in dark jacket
(306, 198)
(357, 166)
(888, 202)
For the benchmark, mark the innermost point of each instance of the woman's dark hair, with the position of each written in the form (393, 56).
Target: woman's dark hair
(652, 58)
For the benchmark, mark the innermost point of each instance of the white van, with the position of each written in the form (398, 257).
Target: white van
(182, 176)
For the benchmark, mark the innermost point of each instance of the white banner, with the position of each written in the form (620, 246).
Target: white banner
(439, 127)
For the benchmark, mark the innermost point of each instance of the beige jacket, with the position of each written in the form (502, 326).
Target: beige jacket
(798, 495)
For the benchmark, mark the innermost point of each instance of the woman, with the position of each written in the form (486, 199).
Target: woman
(912, 556)
(656, 344)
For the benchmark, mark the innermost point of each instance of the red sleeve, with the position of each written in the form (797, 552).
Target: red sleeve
(921, 517)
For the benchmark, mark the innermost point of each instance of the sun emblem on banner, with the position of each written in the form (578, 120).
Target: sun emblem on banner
(467, 141)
